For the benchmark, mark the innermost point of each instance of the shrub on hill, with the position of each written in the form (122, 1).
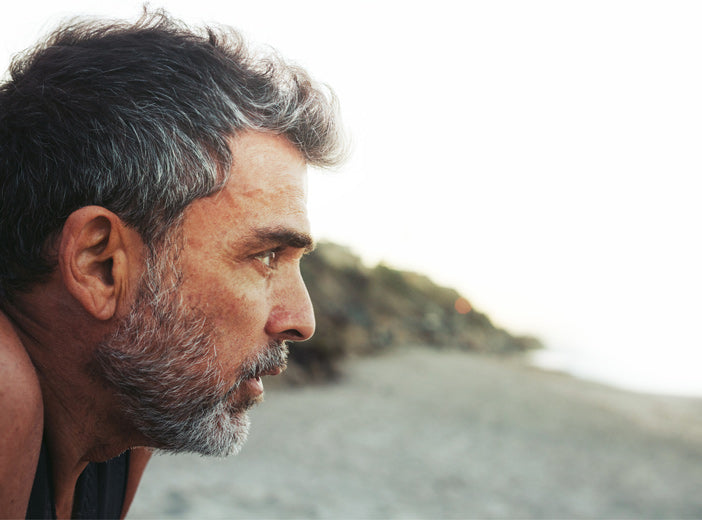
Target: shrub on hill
(362, 311)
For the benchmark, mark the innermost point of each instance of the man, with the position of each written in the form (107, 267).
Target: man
(152, 220)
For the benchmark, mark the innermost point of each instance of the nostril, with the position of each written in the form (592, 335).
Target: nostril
(294, 335)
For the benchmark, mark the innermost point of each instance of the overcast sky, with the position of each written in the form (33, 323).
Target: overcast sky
(541, 157)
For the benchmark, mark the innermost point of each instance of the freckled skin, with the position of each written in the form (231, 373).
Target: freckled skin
(248, 302)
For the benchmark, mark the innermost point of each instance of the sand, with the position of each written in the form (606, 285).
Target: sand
(426, 434)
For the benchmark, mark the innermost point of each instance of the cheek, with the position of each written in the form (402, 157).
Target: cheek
(237, 313)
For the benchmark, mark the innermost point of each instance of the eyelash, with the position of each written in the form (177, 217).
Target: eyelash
(269, 259)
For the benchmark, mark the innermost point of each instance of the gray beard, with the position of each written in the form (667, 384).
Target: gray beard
(162, 362)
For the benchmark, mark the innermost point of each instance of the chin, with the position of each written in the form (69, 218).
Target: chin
(219, 433)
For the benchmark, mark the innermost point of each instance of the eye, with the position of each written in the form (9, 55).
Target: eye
(269, 259)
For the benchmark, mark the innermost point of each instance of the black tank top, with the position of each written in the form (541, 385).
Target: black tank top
(100, 489)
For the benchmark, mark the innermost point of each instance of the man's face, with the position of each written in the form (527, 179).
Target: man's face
(208, 322)
(242, 251)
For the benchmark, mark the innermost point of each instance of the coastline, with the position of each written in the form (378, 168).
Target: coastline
(444, 434)
(640, 372)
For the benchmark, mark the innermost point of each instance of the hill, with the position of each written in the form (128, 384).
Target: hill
(363, 311)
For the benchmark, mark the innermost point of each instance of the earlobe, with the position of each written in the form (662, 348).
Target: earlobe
(94, 259)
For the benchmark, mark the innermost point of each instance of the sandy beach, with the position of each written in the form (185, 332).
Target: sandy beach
(421, 433)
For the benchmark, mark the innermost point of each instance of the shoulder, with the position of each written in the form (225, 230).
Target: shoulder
(21, 422)
(20, 392)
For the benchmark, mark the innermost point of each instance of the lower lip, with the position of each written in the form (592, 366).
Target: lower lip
(254, 386)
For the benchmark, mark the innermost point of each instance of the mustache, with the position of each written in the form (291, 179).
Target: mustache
(274, 356)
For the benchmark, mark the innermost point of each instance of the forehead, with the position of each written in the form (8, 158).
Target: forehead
(264, 161)
(267, 187)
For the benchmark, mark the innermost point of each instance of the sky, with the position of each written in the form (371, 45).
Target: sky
(543, 158)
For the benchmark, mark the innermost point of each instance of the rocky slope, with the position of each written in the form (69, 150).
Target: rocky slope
(362, 311)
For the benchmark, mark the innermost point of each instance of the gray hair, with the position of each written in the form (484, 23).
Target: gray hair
(136, 117)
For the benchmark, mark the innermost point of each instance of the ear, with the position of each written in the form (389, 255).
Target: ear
(99, 259)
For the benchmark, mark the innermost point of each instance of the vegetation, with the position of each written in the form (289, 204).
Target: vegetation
(363, 311)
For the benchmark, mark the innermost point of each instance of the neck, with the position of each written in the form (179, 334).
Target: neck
(80, 423)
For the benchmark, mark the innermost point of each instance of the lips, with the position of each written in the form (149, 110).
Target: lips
(254, 385)
(272, 372)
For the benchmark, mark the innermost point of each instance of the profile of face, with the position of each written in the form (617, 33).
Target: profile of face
(216, 306)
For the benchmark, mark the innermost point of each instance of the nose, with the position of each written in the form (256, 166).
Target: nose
(292, 315)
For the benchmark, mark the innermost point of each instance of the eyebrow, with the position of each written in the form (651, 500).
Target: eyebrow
(281, 236)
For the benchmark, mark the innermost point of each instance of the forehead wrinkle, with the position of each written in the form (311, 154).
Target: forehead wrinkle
(244, 192)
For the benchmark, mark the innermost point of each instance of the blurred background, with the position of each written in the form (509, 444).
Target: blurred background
(540, 162)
